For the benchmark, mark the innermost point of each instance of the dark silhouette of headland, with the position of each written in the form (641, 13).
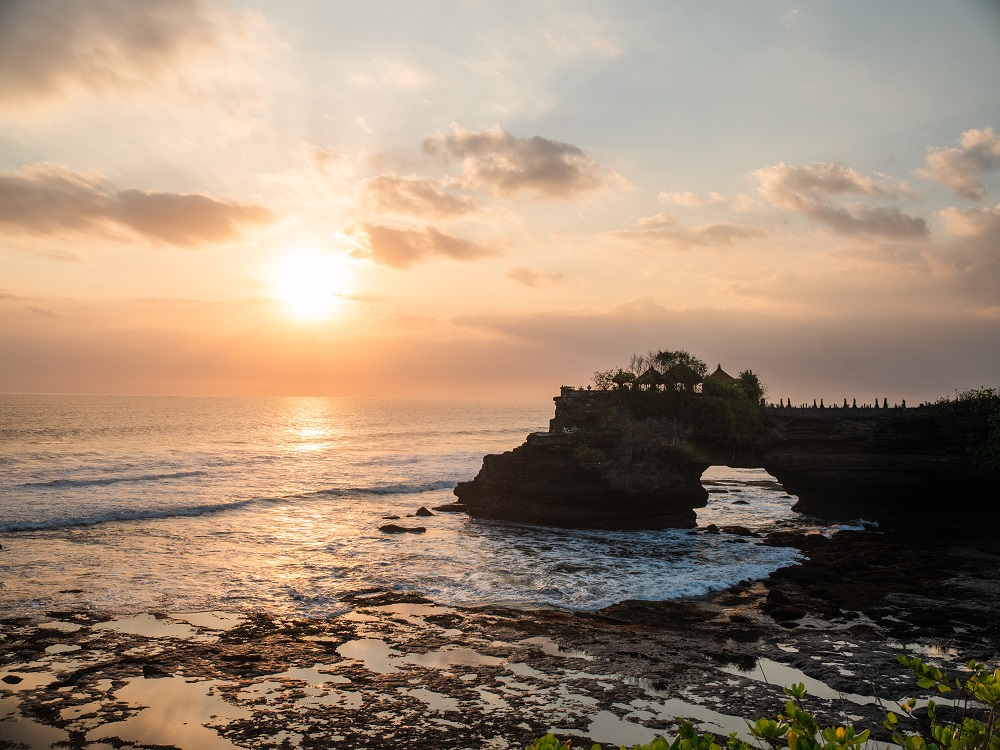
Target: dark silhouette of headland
(629, 454)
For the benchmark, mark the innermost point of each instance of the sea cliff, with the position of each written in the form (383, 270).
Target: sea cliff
(631, 459)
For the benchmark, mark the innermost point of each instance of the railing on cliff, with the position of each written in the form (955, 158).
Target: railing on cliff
(818, 406)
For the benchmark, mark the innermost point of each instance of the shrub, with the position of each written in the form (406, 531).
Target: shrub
(975, 699)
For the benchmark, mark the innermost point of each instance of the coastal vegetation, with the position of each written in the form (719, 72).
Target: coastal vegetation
(974, 724)
(983, 403)
(674, 384)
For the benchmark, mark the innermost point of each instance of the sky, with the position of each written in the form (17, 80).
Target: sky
(490, 200)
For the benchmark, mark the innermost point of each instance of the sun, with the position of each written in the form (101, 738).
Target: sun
(312, 286)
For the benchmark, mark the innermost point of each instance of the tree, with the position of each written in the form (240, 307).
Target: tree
(603, 380)
(621, 377)
(751, 386)
(664, 360)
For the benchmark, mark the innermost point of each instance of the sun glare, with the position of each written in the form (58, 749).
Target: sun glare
(312, 286)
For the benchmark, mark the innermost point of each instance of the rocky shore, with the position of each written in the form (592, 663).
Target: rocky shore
(401, 671)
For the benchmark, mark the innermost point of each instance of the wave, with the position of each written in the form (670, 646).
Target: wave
(67, 483)
(390, 489)
(143, 514)
(140, 514)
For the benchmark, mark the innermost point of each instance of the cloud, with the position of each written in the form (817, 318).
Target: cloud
(784, 181)
(186, 219)
(319, 158)
(531, 277)
(497, 161)
(689, 199)
(402, 248)
(809, 190)
(50, 48)
(959, 169)
(48, 199)
(663, 229)
(971, 222)
(413, 196)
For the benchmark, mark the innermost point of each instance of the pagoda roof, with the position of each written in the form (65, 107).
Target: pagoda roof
(651, 376)
(681, 373)
(722, 376)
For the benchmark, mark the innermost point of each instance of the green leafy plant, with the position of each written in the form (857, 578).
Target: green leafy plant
(975, 703)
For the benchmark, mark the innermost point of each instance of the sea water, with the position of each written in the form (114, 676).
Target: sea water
(132, 504)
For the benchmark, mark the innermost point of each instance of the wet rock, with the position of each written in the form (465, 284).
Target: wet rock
(152, 672)
(12, 679)
(390, 518)
(740, 502)
(391, 528)
(795, 539)
(422, 511)
(711, 529)
(739, 531)
(451, 508)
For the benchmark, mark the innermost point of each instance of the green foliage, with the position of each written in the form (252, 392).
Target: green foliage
(664, 360)
(607, 380)
(977, 699)
(586, 453)
(603, 380)
(752, 386)
(987, 457)
(983, 406)
(727, 414)
(550, 742)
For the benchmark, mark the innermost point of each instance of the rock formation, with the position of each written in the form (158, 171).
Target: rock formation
(601, 465)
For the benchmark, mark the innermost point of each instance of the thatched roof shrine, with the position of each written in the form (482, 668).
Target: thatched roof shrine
(722, 376)
(650, 377)
(682, 375)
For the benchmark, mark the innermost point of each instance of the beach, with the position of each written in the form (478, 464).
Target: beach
(177, 598)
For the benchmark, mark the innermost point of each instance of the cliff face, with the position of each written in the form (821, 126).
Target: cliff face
(600, 466)
(890, 465)
(605, 470)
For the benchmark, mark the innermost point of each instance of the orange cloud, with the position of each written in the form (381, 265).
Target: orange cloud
(810, 190)
(959, 169)
(49, 48)
(402, 248)
(663, 229)
(531, 277)
(690, 200)
(47, 199)
(186, 219)
(497, 161)
(321, 159)
(971, 222)
(413, 196)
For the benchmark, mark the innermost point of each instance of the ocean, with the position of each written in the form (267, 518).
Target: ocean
(127, 504)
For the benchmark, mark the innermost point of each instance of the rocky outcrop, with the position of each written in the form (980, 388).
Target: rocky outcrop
(623, 476)
(887, 465)
(601, 466)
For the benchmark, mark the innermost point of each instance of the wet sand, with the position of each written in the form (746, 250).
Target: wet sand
(401, 671)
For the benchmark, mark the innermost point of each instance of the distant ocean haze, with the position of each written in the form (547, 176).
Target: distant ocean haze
(129, 504)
